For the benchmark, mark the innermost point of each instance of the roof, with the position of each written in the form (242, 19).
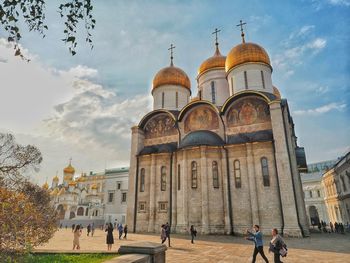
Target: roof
(159, 148)
(201, 137)
(258, 136)
(117, 170)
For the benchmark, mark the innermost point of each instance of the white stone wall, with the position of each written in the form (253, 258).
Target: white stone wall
(236, 78)
(218, 77)
(169, 92)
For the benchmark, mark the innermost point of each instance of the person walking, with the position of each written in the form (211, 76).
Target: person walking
(277, 246)
(110, 238)
(193, 232)
(258, 241)
(331, 226)
(167, 232)
(88, 229)
(162, 233)
(120, 229)
(77, 234)
(125, 231)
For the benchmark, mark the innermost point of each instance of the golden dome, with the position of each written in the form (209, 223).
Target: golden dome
(276, 92)
(69, 169)
(55, 179)
(62, 191)
(246, 52)
(54, 192)
(72, 183)
(80, 179)
(171, 76)
(94, 186)
(217, 61)
(45, 186)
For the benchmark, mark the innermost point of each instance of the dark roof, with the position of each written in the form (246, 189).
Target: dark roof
(258, 136)
(159, 148)
(201, 137)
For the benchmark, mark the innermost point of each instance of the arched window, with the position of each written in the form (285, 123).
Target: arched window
(215, 172)
(80, 211)
(194, 174)
(245, 80)
(163, 95)
(163, 178)
(265, 171)
(142, 180)
(178, 177)
(237, 173)
(212, 85)
(232, 86)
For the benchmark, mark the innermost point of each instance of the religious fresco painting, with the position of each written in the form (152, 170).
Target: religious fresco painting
(160, 125)
(201, 118)
(248, 111)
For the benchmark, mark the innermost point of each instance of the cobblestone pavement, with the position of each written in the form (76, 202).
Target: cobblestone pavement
(319, 248)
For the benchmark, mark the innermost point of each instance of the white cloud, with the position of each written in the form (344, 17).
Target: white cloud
(322, 109)
(339, 2)
(81, 71)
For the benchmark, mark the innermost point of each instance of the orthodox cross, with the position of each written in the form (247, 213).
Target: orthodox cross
(171, 54)
(241, 24)
(216, 36)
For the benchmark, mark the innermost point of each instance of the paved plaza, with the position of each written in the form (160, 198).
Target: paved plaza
(320, 248)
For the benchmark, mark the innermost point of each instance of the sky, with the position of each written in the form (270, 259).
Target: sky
(83, 107)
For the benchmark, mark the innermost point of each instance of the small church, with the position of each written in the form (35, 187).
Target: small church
(221, 157)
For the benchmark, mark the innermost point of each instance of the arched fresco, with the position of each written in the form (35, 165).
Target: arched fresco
(247, 111)
(160, 125)
(201, 118)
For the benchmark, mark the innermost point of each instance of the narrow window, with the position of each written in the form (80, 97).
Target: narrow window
(310, 192)
(237, 173)
(123, 197)
(212, 92)
(163, 99)
(343, 181)
(262, 79)
(163, 178)
(142, 180)
(200, 94)
(118, 186)
(215, 172)
(245, 80)
(177, 99)
(318, 193)
(194, 174)
(178, 177)
(232, 86)
(110, 197)
(265, 171)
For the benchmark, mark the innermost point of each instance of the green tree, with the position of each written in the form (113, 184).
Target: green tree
(33, 14)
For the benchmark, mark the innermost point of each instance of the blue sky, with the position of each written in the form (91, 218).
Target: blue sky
(83, 106)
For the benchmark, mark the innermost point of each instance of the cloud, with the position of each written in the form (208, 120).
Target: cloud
(323, 109)
(81, 71)
(319, 4)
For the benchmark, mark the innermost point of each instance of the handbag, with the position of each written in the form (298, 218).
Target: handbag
(283, 252)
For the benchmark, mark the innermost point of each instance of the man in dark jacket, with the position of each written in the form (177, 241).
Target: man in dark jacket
(167, 232)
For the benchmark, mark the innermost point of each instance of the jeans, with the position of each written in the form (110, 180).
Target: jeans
(261, 251)
(277, 258)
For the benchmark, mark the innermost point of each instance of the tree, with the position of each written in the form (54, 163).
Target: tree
(15, 160)
(32, 12)
(27, 218)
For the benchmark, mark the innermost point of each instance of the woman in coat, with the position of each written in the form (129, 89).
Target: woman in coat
(109, 239)
(277, 246)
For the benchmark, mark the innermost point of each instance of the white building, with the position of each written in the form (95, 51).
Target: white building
(95, 198)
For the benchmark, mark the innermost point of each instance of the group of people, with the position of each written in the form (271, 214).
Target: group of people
(277, 245)
(339, 228)
(110, 238)
(165, 233)
(109, 227)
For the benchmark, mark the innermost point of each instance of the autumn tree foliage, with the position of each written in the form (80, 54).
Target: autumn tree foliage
(27, 218)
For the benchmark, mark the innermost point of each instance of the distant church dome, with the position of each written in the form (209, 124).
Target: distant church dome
(217, 61)
(171, 76)
(246, 52)
(69, 169)
(94, 186)
(45, 186)
(55, 179)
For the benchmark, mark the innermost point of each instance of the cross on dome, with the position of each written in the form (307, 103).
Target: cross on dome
(241, 24)
(171, 54)
(216, 31)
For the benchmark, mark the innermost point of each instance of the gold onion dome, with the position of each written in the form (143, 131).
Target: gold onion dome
(94, 186)
(245, 53)
(217, 61)
(45, 186)
(69, 169)
(171, 76)
(54, 192)
(72, 183)
(276, 92)
(55, 179)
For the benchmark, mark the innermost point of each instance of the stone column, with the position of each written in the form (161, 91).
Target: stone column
(137, 138)
(224, 188)
(291, 226)
(252, 185)
(204, 188)
(152, 194)
(185, 177)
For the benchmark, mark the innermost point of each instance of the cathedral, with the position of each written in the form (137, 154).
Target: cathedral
(222, 160)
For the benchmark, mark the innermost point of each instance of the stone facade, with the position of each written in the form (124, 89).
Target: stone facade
(221, 165)
(336, 183)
